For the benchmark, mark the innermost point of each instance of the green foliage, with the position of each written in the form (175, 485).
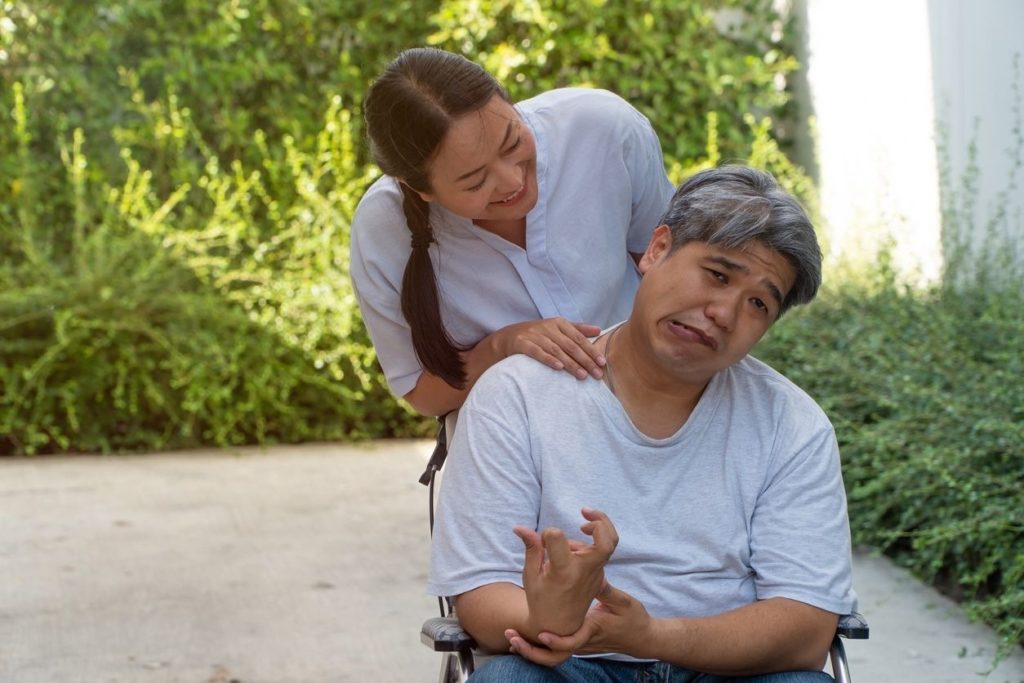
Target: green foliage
(150, 323)
(678, 62)
(924, 390)
(178, 179)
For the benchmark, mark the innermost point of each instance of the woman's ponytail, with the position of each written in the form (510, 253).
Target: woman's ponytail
(435, 349)
(408, 111)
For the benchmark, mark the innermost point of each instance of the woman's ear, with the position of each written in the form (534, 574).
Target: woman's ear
(660, 244)
(425, 196)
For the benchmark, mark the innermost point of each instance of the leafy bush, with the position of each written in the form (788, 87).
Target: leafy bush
(127, 330)
(924, 391)
(676, 61)
(178, 178)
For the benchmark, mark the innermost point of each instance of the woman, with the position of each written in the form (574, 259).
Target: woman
(495, 225)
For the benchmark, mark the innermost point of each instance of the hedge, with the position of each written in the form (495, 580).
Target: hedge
(178, 179)
(924, 391)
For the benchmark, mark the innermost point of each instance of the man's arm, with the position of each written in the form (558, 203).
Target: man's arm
(561, 577)
(777, 634)
(487, 612)
(771, 635)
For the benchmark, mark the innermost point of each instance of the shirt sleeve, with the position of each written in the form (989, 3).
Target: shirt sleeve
(800, 535)
(490, 485)
(377, 258)
(652, 190)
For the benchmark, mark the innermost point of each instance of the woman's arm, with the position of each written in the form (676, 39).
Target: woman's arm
(556, 342)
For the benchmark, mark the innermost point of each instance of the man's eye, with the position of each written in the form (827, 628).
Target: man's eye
(760, 305)
(514, 146)
(717, 275)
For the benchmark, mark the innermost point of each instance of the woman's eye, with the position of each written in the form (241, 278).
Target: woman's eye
(514, 146)
(760, 305)
(477, 186)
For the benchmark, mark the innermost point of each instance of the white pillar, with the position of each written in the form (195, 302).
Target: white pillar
(870, 80)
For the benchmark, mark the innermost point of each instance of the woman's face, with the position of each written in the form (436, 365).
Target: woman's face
(486, 168)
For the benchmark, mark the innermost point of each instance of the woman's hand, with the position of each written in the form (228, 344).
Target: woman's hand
(556, 342)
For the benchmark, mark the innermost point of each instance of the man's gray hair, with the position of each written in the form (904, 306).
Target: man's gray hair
(732, 206)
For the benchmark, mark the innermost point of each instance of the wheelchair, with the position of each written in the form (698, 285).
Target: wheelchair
(444, 635)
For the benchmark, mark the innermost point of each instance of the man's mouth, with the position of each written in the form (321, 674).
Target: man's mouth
(687, 332)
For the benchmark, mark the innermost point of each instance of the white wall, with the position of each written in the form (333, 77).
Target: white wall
(973, 48)
(878, 73)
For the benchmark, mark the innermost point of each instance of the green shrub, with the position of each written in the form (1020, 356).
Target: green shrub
(178, 179)
(676, 61)
(924, 390)
(148, 323)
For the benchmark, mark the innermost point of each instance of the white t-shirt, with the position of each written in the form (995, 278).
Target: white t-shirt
(744, 502)
(602, 190)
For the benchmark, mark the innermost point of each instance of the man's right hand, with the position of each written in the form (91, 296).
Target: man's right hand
(561, 587)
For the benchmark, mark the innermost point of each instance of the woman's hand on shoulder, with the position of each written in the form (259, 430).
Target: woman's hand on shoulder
(556, 342)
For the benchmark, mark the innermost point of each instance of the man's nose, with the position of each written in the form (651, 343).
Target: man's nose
(723, 309)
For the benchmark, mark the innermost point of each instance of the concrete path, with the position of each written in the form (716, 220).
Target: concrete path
(298, 565)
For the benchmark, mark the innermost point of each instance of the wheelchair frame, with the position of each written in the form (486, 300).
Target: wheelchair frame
(445, 635)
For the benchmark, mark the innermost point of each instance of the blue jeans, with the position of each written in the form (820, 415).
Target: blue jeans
(515, 669)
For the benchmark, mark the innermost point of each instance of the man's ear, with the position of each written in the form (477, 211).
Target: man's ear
(660, 244)
(425, 196)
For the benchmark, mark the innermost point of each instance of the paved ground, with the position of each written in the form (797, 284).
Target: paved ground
(297, 565)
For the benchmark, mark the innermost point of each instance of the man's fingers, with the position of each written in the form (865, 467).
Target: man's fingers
(600, 527)
(612, 598)
(570, 643)
(533, 653)
(559, 553)
(534, 549)
(576, 546)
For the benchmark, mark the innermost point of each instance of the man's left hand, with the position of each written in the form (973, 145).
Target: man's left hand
(619, 623)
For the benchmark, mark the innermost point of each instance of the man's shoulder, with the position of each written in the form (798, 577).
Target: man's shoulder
(517, 371)
(759, 381)
(515, 382)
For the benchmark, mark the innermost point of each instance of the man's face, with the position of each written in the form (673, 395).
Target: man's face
(702, 308)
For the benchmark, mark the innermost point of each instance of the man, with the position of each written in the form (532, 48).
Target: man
(709, 483)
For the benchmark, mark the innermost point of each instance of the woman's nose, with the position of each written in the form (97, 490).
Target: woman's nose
(510, 178)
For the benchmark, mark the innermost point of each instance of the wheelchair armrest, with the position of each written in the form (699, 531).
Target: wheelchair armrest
(853, 626)
(444, 634)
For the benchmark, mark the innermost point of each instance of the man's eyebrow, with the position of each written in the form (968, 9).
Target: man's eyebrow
(732, 266)
(504, 141)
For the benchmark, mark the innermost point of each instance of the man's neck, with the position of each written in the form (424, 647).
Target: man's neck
(657, 403)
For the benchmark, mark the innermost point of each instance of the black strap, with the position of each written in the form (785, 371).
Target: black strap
(436, 458)
(427, 479)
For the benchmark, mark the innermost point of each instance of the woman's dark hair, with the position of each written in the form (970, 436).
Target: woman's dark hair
(408, 112)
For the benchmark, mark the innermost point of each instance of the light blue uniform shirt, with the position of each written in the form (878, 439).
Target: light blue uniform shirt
(602, 190)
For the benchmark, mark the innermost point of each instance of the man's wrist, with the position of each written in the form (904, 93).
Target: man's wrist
(557, 624)
(658, 638)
